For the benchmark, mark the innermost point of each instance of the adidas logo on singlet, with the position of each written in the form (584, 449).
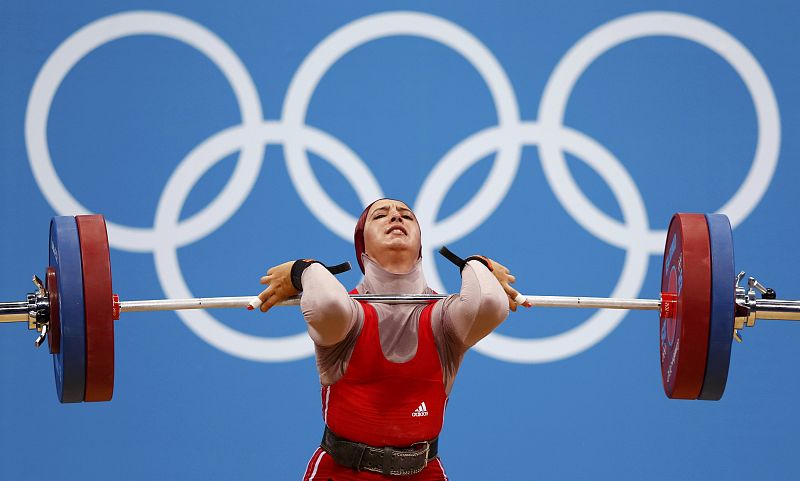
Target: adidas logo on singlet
(422, 410)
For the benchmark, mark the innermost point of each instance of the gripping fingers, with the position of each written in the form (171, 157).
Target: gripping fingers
(512, 294)
(257, 301)
(269, 304)
(268, 297)
(264, 298)
(515, 298)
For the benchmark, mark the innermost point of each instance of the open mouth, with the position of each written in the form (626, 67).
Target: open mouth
(397, 228)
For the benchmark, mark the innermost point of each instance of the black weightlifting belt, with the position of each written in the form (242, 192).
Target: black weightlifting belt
(386, 460)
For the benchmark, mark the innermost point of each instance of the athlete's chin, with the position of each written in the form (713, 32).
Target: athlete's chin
(400, 244)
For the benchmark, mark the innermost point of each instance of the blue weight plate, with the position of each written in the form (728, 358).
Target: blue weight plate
(722, 307)
(69, 363)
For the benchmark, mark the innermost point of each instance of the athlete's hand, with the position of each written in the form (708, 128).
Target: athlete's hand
(279, 285)
(504, 277)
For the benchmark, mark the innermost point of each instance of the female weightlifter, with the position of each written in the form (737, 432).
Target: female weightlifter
(387, 370)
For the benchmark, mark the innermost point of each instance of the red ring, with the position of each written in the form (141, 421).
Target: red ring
(54, 328)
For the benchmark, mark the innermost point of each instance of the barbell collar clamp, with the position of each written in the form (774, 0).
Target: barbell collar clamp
(42, 336)
(34, 310)
(749, 308)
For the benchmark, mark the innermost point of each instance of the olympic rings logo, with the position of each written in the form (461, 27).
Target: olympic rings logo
(548, 133)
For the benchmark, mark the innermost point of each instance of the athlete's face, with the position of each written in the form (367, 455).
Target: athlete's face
(391, 226)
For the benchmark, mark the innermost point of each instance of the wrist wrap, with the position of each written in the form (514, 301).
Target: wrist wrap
(450, 256)
(301, 265)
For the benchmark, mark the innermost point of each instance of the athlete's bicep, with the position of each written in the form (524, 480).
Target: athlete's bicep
(479, 308)
(328, 309)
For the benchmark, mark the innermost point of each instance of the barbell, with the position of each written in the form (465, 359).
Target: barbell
(701, 307)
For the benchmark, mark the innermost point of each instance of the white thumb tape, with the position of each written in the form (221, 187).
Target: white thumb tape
(255, 303)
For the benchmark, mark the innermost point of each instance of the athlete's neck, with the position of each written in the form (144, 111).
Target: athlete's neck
(378, 280)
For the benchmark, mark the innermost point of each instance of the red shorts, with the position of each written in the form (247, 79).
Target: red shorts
(321, 467)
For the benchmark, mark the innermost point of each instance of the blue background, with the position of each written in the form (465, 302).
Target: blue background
(677, 116)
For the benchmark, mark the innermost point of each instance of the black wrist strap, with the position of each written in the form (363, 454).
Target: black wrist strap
(480, 259)
(450, 256)
(301, 264)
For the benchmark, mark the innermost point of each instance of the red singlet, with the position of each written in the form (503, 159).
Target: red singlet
(384, 403)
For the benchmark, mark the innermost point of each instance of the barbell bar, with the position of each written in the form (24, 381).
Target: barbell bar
(19, 311)
(765, 309)
(702, 307)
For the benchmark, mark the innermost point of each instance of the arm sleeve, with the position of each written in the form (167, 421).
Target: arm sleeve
(477, 310)
(328, 309)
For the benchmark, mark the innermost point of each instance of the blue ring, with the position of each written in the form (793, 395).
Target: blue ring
(70, 363)
(722, 308)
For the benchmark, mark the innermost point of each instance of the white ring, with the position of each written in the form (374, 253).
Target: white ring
(170, 205)
(599, 325)
(589, 48)
(114, 27)
(374, 27)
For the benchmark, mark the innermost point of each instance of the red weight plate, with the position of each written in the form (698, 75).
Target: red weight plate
(98, 297)
(686, 272)
(54, 329)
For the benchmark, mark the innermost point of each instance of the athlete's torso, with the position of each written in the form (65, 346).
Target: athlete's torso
(384, 403)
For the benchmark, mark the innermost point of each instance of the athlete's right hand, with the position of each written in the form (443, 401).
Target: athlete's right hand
(279, 285)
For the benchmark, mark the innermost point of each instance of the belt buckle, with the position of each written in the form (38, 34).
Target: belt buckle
(427, 446)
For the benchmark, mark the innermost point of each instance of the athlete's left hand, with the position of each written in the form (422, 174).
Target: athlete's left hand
(504, 277)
